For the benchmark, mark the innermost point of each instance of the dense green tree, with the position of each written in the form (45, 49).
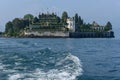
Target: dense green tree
(64, 17)
(80, 21)
(25, 23)
(108, 26)
(18, 24)
(9, 28)
(76, 23)
(28, 17)
(76, 18)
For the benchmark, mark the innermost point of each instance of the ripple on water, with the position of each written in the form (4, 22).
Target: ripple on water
(44, 64)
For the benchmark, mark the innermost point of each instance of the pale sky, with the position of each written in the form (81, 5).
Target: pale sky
(100, 11)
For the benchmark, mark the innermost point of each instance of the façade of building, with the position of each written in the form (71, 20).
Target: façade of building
(50, 25)
(94, 31)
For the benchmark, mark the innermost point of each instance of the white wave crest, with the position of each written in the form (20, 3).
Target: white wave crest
(1, 66)
(67, 72)
(15, 77)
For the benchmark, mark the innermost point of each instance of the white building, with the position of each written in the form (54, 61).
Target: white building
(71, 24)
(95, 26)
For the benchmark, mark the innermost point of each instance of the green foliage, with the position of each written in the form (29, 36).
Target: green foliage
(80, 26)
(18, 24)
(108, 26)
(28, 17)
(13, 28)
(50, 22)
(78, 22)
(84, 28)
(9, 28)
(64, 17)
(44, 18)
(35, 20)
(76, 18)
(58, 19)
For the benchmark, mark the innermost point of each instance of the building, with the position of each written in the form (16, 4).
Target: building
(50, 25)
(95, 26)
(71, 24)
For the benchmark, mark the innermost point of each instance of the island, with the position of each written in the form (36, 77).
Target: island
(49, 25)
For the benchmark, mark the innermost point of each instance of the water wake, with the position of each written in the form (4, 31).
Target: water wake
(43, 65)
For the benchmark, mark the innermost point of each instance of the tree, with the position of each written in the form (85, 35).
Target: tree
(39, 16)
(53, 14)
(80, 21)
(76, 22)
(18, 24)
(35, 20)
(108, 26)
(64, 17)
(76, 18)
(28, 17)
(25, 23)
(58, 19)
(9, 28)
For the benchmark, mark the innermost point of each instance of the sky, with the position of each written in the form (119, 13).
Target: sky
(100, 11)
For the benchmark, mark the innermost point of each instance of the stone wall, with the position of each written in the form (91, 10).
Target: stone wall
(91, 34)
(47, 34)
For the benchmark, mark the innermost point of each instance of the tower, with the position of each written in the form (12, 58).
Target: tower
(71, 24)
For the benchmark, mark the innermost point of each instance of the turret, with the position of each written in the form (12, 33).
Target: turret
(71, 24)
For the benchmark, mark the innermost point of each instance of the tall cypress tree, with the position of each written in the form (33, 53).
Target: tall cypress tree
(76, 22)
(80, 21)
(76, 18)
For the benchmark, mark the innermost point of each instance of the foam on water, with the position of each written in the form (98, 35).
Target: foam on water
(43, 65)
(1, 66)
(68, 72)
(15, 77)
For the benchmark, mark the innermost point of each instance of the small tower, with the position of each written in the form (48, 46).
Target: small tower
(71, 24)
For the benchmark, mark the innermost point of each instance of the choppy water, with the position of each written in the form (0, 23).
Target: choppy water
(59, 59)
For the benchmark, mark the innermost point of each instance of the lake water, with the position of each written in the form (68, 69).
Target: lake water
(59, 59)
